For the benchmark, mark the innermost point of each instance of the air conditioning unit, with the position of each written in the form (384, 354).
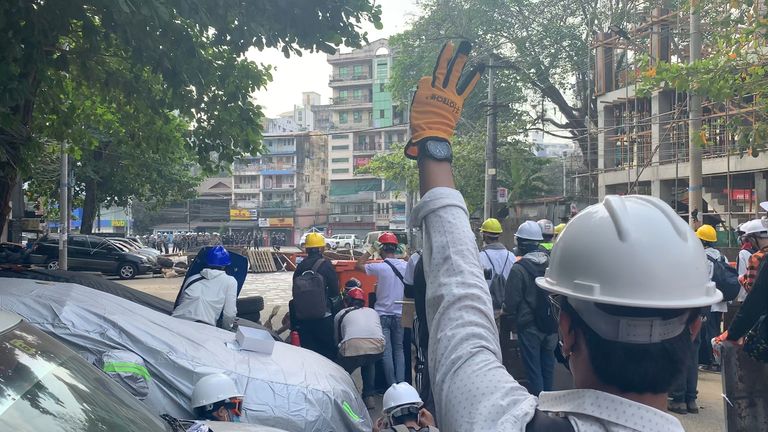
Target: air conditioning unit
(336, 219)
(358, 218)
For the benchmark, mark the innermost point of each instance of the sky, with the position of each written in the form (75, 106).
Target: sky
(310, 72)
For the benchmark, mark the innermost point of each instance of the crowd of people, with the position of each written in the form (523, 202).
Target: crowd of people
(181, 241)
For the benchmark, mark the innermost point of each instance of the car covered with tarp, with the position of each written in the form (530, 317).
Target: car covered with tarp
(291, 389)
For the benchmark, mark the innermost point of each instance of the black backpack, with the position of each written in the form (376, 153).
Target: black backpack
(498, 282)
(726, 278)
(543, 315)
(309, 297)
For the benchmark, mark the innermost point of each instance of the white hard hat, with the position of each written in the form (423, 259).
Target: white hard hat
(399, 395)
(529, 230)
(213, 388)
(631, 251)
(754, 226)
(547, 227)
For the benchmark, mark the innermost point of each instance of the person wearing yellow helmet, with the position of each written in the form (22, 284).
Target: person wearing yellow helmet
(495, 259)
(309, 317)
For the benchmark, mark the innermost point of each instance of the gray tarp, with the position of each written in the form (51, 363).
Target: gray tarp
(293, 389)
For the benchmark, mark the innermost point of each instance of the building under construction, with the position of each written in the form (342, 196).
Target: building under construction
(643, 140)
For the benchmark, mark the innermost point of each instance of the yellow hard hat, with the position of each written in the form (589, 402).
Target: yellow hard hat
(314, 240)
(707, 233)
(491, 226)
(559, 228)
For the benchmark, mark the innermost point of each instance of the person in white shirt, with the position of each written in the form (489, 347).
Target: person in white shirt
(360, 340)
(494, 256)
(210, 294)
(389, 292)
(625, 316)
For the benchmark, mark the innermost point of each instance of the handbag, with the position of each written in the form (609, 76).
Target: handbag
(756, 340)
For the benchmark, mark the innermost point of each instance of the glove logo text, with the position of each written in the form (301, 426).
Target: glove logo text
(456, 108)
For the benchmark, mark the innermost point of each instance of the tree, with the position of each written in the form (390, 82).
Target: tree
(543, 46)
(180, 57)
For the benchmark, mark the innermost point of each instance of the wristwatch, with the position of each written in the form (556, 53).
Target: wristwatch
(436, 149)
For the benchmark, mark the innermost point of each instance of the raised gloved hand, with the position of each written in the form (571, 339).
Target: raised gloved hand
(439, 99)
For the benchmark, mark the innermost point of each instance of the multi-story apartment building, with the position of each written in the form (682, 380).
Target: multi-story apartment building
(643, 140)
(361, 121)
(284, 191)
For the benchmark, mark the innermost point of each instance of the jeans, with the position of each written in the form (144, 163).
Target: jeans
(686, 388)
(538, 351)
(367, 365)
(394, 357)
(710, 329)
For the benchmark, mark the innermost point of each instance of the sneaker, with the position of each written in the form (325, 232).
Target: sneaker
(677, 407)
(692, 407)
(369, 402)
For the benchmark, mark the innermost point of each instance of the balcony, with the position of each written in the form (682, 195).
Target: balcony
(278, 204)
(346, 103)
(350, 80)
(247, 187)
(367, 148)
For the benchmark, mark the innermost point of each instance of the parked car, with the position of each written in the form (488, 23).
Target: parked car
(330, 243)
(372, 237)
(92, 253)
(177, 353)
(136, 248)
(48, 387)
(347, 241)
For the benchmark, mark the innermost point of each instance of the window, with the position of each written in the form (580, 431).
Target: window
(362, 140)
(358, 116)
(357, 95)
(343, 72)
(340, 160)
(381, 113)
(339, 136)
(340, 170)
(340, 147)
(357, 70)
(382, 87)
(306, 197)
(343, 117)
(306, 179)
(322, 198)
(299, 113)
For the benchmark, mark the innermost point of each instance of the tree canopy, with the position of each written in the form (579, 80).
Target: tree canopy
(94, 72)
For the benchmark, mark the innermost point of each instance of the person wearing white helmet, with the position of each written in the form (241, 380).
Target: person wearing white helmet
(403, 411)
(625, 316)
(548, 232)
(215, 397)
(756, 231)
(529, 306)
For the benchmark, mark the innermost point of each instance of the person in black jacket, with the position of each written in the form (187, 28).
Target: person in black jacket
(754, 306)
(317, 335)
(537, 344)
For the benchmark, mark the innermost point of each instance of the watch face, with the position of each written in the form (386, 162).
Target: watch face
(439, 150)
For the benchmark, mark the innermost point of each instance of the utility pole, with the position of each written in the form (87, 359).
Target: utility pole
(63, 207)
(694, 122)
(489, 209)
(189, 224)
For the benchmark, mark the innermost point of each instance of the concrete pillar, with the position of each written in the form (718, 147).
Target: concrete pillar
(661, 105)
(761, 192)
(605, 147)
(745, 391)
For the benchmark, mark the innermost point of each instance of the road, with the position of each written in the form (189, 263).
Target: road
(275, 288)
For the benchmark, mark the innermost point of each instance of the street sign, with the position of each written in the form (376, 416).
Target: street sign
(502, 194)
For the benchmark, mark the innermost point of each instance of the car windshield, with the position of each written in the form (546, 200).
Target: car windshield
(44, 386)
(108, 245)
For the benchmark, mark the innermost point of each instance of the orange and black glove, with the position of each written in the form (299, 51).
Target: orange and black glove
(437, 103)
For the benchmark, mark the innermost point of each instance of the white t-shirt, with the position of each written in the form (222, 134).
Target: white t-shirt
(497, 256)
(389, 289)
(410, 269)
(363, 323)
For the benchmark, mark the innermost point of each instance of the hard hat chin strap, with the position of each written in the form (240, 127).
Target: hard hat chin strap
(634, 330)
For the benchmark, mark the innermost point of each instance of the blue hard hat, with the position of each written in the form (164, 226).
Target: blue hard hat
(218, 256)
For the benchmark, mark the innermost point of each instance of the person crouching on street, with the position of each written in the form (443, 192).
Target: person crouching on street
(403, 411)
(360, 340)
(215, 397)
(210, 294)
